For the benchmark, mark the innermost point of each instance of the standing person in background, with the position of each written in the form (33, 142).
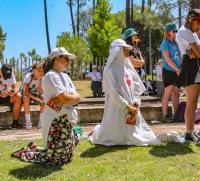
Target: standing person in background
(171, 69)
(32, 92)
(9, 94)
(59, 115)
(159, 79)
(131, 38)
(96, 86)
(190, 69)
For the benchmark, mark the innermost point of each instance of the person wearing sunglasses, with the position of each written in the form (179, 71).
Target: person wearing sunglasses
(171, 69)
(190, 69)
(59, 114)
(131, 37)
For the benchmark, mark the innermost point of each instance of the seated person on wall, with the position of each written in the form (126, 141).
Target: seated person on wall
(9, 94)
(96, 86)
(33, 93)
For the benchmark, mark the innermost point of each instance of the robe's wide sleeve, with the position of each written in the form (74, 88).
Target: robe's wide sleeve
(111, 88)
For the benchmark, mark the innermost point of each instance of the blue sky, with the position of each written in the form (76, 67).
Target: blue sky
(23, 21)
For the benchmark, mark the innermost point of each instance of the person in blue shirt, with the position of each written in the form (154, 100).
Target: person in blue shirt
(171, 69)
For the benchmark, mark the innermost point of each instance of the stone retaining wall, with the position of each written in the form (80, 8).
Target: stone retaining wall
(87, 114)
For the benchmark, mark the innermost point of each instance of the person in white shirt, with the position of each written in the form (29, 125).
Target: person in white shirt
(190, 69)
(9, 94)
(59, 115)
(122, 122)
(32, 93)
(96, 86)
(159, 79)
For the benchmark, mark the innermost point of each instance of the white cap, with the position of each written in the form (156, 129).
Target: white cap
(94, 66)
(61, 51)
(120, 42)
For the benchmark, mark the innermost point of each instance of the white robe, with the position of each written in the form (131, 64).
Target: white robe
(122, 86)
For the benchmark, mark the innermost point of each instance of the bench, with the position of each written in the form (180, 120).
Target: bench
(90, 110)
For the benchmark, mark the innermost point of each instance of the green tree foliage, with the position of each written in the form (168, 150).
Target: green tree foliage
(104, 30)
(2, 42)
(78, 46)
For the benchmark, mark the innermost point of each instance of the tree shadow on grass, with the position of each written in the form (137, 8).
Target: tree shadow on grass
(99, 150)
(171, 149)
(33, 171)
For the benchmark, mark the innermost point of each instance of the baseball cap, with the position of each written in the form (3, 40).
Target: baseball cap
(94, 66)
(61, 51)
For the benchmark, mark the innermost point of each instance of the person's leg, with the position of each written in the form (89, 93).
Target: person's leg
(192, 94)
(175, 98)
(16, 100)
(95, 88)
(41, 111)
(26, 101)
(165, 99)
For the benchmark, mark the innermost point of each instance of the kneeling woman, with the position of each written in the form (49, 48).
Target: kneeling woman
(123, 88)
(59, 114)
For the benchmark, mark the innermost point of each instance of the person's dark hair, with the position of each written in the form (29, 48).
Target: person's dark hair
(129, 41)
(48, 65)
(6, 70)
(193, 15)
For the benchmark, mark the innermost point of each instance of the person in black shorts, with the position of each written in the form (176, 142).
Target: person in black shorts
(9, 94)
(189, 45)
(171, 69)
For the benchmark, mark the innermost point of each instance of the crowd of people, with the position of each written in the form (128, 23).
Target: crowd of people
(123, 123)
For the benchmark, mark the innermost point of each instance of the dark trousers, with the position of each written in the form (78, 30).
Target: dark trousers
(96, 89)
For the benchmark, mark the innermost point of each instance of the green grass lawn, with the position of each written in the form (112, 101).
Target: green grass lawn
(168, 162)
(83, 87)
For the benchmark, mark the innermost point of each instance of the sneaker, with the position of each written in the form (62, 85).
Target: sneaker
(29, 125)
(197, 134)
(191, 137)
(16, 125)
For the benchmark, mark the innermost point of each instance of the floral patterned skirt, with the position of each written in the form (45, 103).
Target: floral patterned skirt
(60, 145)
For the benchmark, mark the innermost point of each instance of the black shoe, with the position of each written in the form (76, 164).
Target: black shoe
(191, 137)
(16, 125)
(197, 134)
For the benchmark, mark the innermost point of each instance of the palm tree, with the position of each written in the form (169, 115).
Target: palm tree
(46, 26)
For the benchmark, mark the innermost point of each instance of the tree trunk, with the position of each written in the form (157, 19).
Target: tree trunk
(179, 13)
(194, 4)
(46, 26)
(149, 3)
(143, 6)
(78, 16)
(131, 12)
(72, 16)
(127, 13)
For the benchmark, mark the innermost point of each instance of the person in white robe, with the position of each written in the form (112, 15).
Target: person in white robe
(122, 87)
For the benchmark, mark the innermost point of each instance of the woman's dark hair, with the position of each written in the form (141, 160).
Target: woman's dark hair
(129, 41)
(6, 70)
(193, 15)
(48, 65)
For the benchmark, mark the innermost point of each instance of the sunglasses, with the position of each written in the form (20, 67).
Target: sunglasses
(65, 58)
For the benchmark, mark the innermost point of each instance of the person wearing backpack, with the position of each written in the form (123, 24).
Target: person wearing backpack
(32, 93)
(9, 94)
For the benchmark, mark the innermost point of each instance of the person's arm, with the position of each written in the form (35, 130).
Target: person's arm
(170, 61)
(195, 53)
(56, 86)
(136, 62)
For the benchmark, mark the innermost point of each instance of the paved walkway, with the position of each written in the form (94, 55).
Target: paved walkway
(23, 134)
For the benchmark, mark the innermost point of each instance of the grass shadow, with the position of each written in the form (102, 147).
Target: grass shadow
(171, 149)
(99, 150)
(33, 171)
